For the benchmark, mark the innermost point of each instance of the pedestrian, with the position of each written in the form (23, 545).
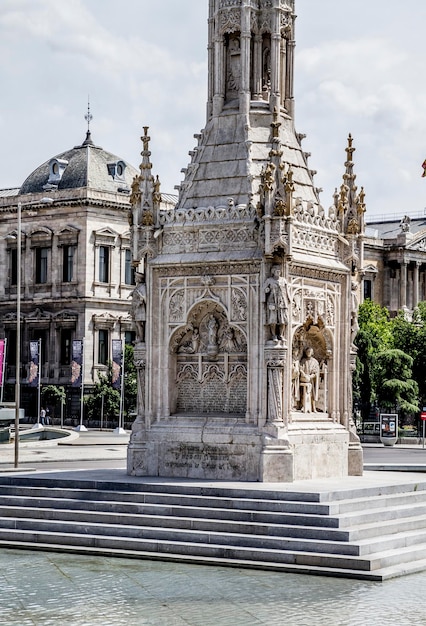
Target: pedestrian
(42, 416)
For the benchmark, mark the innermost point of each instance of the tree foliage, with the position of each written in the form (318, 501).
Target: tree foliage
(105, 400)
(390, 369)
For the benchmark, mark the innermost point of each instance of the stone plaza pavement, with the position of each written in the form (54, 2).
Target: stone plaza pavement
(90, 446)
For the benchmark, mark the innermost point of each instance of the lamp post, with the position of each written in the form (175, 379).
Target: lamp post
(18, 322)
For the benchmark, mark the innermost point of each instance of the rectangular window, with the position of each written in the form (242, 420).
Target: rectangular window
(103, 347)
(129, 337)
(104, 264)
(11, 347)
(13, 269)
(66, 340)
(129, 270)
(68, 263)
(42, 256)
(368, 290)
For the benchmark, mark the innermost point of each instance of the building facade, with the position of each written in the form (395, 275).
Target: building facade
(77, 276)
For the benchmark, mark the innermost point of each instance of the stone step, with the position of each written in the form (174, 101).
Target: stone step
(180, 535)
(294, 568)
(199, 501)
(273, 528)
(170, 548)
(241, 522)
(374, 533)
(167, 499)
(235, 514)
(182, 488)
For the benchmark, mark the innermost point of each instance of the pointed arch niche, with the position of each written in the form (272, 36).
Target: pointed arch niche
(208, 364)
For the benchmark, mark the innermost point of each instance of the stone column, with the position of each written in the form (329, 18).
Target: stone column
(219, 75)
(257, 68)
(403, 285)
(275, 364)
(416, 283)
(245, 60)
(275, 60)
(211, 58)
(289, 101)
(283, 68)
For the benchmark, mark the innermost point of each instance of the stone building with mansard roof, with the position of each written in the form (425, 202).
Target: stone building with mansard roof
(77, 274)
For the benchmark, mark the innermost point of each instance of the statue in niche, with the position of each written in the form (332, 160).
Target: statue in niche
(354, 314)
(139, 306)
(295, 384)
(309, 381)
(277, 298)
(212, 329)
(229, 342)
(192, 344)
(234, 70)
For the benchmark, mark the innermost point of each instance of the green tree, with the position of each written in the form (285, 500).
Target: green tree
(410, 337)
(374, 335)
(395, 388)
(53, 396)
(105, 400)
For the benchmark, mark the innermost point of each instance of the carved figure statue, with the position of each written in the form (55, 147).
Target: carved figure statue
(229, 343)
(405, 224)
(295, 383)
(212, 342)
(276, 290)
(139, 307)
(354, 314)
(309, 381)
(212, 330)
(192, 345)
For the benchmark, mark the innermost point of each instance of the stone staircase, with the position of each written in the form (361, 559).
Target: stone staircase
(372, 533)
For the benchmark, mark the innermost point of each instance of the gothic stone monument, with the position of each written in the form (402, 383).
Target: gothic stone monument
(245, 336)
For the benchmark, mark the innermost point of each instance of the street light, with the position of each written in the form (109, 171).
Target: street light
(18, 321)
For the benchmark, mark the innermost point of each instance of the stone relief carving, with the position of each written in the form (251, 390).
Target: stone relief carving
(275, 362)
(208, 333)
(231, 212)
(176, 307)
(239, 305)
(230, 19)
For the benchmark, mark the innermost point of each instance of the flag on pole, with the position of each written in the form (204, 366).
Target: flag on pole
(117, 362)
(33, 378)
(77, 363)
(424, 169)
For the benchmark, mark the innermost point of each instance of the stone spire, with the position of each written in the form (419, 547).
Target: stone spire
(350, 206)
(350, 203)
(250, 108)
(145, 200)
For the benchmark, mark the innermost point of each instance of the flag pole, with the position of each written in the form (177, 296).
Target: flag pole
(81, 427)
(3, 369)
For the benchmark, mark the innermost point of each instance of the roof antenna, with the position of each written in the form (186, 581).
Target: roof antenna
(88, 117)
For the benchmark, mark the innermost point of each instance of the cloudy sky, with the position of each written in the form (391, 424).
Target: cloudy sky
(359, 69)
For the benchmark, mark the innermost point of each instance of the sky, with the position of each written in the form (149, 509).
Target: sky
(359, 70)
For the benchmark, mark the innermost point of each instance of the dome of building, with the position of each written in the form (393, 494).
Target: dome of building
(86, 165)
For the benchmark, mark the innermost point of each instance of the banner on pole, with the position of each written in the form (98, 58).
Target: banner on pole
(2, 359)
(77, 363)
(117, 363)
(33, 378)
